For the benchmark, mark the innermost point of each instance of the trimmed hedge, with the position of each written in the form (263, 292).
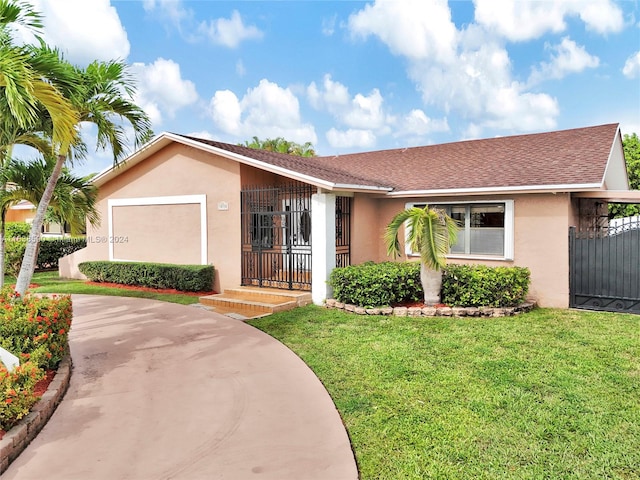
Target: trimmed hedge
(187, 278)
(482, 286)
(50, 251)
(388, 283)
(377, 284)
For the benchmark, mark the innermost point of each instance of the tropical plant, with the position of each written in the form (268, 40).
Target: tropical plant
(73, 200)
(280, 145)
(631, 147)
(101, 94)
(431, 233)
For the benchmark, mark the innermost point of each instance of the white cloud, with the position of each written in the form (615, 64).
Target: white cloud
(84, 31)
(332, 95)
(162, 90)
(329, 25)
(359, 112)
(229, 32)
(511, 109)
(413, 28)
(171, 9)
(240, 68)
(456, 70)
(416, 123)
(266, 111)
(351, 138)
(568, 57)
(519, 20)
(202, 134)
(226, 112)
(631, 67)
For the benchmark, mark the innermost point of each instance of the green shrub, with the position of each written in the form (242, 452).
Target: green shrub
(189, 278)
(17, 230)
(14, 252)
(51, 250)
(479, 285)
(17, 392)
(377, 284)
(35, 328)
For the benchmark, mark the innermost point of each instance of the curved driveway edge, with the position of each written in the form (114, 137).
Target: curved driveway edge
(165, 391)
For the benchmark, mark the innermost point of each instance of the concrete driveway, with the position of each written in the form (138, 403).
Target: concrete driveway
(164, 391)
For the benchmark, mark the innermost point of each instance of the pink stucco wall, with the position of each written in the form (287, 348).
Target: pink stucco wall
(541, 223)
(171, 233)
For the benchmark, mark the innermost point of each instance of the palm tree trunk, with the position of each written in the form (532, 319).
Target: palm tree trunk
(431, 284)
(31, 252)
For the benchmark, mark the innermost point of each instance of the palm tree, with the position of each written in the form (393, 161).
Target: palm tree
(30, 77)
(431, 232)
(102, 96)
(74, 198)
(280, 145)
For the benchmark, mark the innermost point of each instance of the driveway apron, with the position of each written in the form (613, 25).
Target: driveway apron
(165, 391)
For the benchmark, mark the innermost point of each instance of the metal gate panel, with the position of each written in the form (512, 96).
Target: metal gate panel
(343, 231)
(605, 269)
(276, 236)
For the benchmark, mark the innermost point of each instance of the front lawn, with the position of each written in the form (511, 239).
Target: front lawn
(50, 282)
(550, 394)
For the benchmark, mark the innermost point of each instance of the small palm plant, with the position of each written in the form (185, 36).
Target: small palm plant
(431, 232)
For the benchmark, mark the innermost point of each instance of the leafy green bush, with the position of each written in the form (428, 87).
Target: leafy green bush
(51, 250)
(35, 328)
(377, 284)
(17, 230)
(189, 278)
(14, 252)
(17, 392)
(479, 285)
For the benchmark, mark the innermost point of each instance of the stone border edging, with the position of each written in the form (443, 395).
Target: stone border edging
(432, 311)
(23, 432)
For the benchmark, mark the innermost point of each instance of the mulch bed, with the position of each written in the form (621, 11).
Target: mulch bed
(39, 389)
(149, 289)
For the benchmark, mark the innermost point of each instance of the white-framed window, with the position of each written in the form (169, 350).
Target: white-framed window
(486, 228)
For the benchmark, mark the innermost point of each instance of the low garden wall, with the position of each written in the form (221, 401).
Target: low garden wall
(23, 432)
(432, 311)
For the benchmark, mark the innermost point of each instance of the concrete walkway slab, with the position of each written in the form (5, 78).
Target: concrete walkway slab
(164, 391)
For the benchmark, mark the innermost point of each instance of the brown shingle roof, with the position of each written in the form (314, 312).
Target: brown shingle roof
(311, 166)
(568, 157)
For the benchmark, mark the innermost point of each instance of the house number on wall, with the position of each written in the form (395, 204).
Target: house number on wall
(223, 206)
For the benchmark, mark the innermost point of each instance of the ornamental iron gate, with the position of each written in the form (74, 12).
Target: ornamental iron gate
(605, 268)
(343, 231)
(276, 235)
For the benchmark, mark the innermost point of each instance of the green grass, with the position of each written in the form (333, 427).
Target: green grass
(50, 282)
(553, 394)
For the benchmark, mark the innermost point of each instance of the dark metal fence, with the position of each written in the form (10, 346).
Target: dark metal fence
(343, 231)
(605, 268)
(276, 236)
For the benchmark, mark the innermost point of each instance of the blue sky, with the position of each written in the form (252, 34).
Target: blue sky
(355, 76)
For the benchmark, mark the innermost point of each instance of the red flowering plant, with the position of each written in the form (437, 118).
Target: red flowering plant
(35, 328)
(17, 392)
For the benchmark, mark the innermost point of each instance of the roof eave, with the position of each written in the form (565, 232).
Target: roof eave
(166, 138)
(453, 192)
